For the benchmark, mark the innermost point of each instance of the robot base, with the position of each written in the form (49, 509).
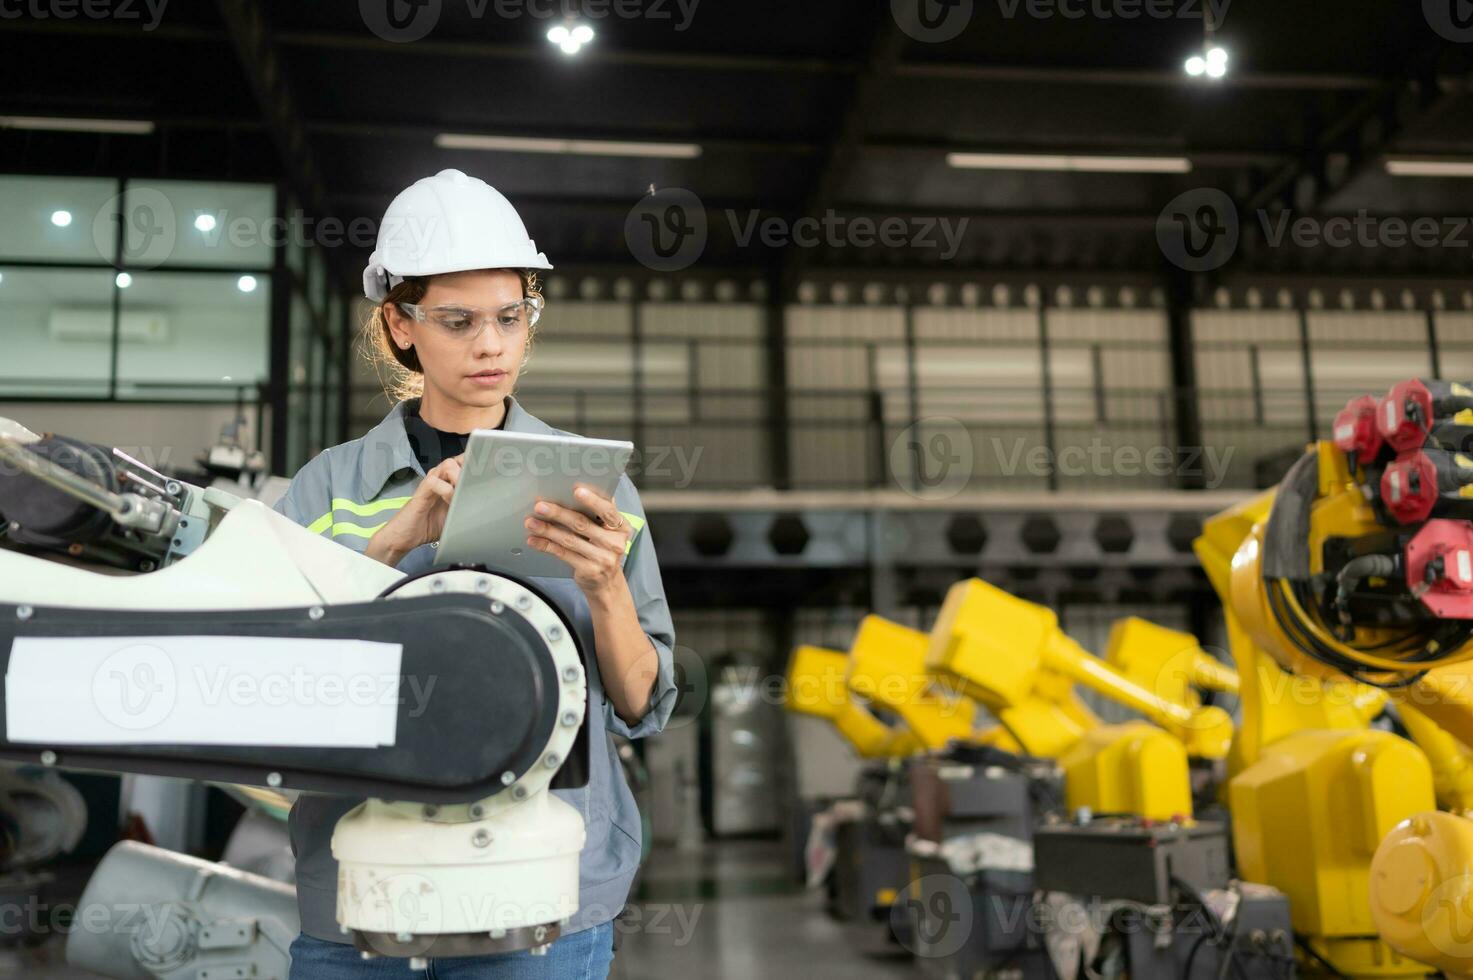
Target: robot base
(450, 945)
(444, 881)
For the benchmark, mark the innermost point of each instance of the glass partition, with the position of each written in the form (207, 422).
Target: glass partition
(193, 335)
(178, 222)
(58, 219)
(58, 330)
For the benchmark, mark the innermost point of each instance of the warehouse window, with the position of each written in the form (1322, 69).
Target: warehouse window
(57, 219)
(846, 374)
(173, 222)
(581, 376)
(983, 368)
(1110, 379)
(703, 368)
(161, 291)
(120, 328)
(192, 336)
(1454, 332)
(58, 332)
(1355, 353)
(1252, 391)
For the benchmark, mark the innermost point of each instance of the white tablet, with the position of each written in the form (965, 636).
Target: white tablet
(502, 477)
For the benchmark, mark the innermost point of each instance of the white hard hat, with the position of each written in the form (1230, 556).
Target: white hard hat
(448, 223)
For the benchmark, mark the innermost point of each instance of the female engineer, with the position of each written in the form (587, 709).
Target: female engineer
(454, 276)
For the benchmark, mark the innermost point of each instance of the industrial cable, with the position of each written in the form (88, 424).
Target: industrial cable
(1186, 970)
(1296, 624)
(1355, 571)
(1315, 955)
(1215, 931)
(1292, 595)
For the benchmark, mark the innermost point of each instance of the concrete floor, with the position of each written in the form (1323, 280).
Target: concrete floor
(730, 910)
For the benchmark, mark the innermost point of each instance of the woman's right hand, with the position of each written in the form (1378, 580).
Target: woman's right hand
(422, 519)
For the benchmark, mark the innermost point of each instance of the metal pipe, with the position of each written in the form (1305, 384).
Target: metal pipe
(62, 479)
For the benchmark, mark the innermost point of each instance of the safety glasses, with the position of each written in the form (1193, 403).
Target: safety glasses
(466, 322)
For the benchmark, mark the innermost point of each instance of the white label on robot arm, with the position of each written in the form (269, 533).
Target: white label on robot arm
(203, 690)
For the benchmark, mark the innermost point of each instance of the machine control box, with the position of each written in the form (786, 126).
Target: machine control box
(1129, 859)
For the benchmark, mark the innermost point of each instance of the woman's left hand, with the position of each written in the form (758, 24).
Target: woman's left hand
(593, 548)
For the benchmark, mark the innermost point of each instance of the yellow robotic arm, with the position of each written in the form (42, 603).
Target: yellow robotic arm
(1167, 662)
(934, 683)
(817, 685)
(887, 667)
(1355, 575)
(999, 648)
(1010, 655)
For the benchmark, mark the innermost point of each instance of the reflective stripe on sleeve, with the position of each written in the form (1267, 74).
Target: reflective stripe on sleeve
(369, 509)
(635, 522)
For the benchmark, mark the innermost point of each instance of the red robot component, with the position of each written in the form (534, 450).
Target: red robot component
(1405, 415)
(1409, 487)
(1356, 431)
(1427, 483)
(1412, 409)
(1439, 568)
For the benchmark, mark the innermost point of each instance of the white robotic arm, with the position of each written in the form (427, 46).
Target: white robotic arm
(476, 710)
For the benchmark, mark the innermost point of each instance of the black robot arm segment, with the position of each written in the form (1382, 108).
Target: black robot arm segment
(477, 699)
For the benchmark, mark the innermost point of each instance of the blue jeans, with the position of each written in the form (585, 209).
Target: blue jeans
(584, 955)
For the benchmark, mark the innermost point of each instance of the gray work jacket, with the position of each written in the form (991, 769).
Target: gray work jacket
(348, 492)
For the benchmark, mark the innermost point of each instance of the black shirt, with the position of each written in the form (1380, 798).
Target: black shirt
(432, 446)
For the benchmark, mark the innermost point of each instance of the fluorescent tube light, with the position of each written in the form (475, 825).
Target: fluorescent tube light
(1069, 164)
(595, 148)
(58, 124)
(1398, 167)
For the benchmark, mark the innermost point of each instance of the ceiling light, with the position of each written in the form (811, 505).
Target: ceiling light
(1212, 62)
(1069, 164)
(570, 37)
(596, 148)
(246, 284)
(1410, 167)
(128, 127)
(205, 222)
(123, 280)
(61, 218)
